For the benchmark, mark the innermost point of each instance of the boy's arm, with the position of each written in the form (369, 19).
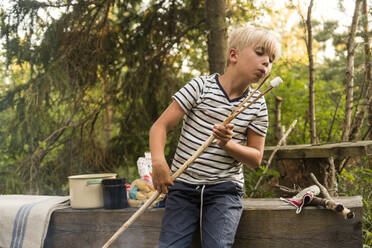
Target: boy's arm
(251, 155)
(158, 135)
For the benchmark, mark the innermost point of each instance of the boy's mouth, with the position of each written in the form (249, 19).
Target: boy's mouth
(261, 73)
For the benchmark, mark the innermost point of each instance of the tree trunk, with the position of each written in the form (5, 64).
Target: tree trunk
(313, 138)
(367, 99)
(216, 26)
(107, 113)
(368, 65)
(350, 73)
(277, 123)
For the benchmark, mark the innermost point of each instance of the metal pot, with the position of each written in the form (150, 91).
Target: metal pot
(86, 190)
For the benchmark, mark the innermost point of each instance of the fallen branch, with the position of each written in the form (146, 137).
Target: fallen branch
(318, 201)
(328, 202)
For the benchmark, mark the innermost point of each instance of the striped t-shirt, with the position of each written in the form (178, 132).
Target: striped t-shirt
(206, 103)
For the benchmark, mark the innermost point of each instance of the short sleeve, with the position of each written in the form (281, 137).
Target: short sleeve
(261, 121)
(188, 95)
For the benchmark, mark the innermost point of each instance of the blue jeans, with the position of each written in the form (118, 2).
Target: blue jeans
(221, 210)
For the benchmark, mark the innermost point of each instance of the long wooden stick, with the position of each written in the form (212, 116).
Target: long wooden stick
(209, 141)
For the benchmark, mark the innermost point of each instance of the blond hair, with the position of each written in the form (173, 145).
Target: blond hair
(241, 38)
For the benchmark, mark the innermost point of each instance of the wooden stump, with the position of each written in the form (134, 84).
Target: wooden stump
(296, 162)
(297, 172)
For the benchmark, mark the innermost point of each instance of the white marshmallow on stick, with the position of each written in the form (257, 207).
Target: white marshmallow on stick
(276, 82)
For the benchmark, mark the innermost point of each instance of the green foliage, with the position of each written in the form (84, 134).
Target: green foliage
(251, 177)
(326, 32)
(295, 103)
(357, 180)
(85, 87)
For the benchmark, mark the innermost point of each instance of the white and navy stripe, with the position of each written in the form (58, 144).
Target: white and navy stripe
(20, 223)
(206, 103)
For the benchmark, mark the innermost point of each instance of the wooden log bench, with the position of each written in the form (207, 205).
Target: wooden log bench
(265, 223)
(295, 162)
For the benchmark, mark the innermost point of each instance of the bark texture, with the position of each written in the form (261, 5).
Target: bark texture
(366, 108)
(216, 25)
(349, 85)
(278, 119)
(309, 44)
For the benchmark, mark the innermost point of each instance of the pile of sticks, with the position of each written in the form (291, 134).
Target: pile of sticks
(325, 201)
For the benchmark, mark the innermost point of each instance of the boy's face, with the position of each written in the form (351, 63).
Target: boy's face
(253, 63)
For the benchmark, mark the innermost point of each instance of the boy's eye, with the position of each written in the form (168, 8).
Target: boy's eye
(261, 52)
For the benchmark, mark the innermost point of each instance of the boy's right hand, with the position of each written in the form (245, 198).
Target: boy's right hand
(161, 175)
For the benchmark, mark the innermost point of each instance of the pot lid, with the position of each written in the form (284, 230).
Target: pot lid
(113, 181)
(90, 176)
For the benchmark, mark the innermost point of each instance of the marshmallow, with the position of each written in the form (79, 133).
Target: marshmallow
(276, 82)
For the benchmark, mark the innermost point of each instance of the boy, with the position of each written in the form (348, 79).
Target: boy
(209, 192)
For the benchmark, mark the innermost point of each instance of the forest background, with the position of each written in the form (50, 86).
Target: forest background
(81, 82)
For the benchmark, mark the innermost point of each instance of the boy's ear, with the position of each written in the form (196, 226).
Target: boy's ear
(233, 55)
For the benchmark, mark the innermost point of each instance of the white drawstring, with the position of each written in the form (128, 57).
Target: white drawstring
(201, 212)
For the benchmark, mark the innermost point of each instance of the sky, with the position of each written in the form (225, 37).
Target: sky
(323, 10)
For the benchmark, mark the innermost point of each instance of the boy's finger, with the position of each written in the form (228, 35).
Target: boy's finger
(158, 189)
(219, 134)
(165, 189)
(225, 131)
(230, 126)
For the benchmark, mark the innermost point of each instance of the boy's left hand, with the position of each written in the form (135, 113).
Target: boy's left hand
(223, 134)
